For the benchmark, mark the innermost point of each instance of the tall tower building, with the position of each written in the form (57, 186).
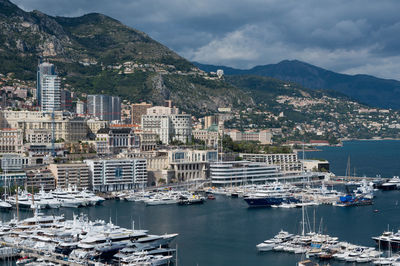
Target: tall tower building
(104, 107)
(50, 93)
(43, 69)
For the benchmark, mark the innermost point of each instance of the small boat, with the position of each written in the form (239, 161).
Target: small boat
(211, 197)
(24, 260)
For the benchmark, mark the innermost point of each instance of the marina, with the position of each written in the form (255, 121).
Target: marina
(227, 225)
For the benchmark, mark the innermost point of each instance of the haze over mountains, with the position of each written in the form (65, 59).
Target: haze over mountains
(367, 89)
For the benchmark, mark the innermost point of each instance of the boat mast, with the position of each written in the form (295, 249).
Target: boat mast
(302, 214)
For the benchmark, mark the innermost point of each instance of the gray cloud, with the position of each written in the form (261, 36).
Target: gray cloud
(346, 36)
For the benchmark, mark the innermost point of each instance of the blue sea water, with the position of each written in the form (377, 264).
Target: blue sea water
(369, 158)
(225, 232)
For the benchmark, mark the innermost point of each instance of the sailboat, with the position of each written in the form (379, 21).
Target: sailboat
(3, 204)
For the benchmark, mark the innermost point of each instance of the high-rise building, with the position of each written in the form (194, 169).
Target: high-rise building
(66, 100)
(104, 107)
(137, 110)
(50, 93)
(43, 69)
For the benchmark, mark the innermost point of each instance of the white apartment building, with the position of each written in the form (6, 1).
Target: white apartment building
(50, 93)
(287, 162)
(11, 140)
(117, 174)
(167, 124)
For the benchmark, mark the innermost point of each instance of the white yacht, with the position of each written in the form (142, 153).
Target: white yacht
(393, 183)
(66, 199)
(5, 205)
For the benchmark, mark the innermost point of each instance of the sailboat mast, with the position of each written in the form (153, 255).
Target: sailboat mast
(302, 215)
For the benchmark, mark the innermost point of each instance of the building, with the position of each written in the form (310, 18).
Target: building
(117, 174)
(287, 162)
(12, 179)
(114, 140)
(168, 124)
(80, 108)
(11, 140)
(210, 120)
(148, 140)
(95, 125)
(170, 166)
(237, 173)
(43, 69)
(66, 127)
(50, 93)
(263, 136)
(137, 110)
(315, 165)
(209, 136)
(13, 162)
(37, 136)
(66, 100)
(40, 178)
(71, 174)
(104, 107)
(189, 165)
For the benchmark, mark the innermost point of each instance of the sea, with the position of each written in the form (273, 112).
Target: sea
(225, 232)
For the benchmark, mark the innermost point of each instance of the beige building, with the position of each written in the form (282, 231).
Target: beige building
(210, 120)
(76, 174)
(148, 140)
(95, 125)
(11, 140)
(137, 110)
(38, 136)
(209, 137)
(263, 136)
(39, 178)
(65, 127)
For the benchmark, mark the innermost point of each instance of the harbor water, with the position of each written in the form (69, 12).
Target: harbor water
(225, 231)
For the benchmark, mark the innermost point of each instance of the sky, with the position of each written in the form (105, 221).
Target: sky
(346, 36)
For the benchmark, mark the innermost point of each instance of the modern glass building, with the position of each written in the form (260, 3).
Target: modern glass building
(104, 107)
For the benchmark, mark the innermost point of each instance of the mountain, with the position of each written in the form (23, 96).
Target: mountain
(98, 54)
(367, 89)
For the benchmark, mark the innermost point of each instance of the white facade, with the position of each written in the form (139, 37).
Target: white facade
(162, 110)
(243, 172)
(80, 108)
(117, 174)
(169, 127)
(288, 162)
(51, 93)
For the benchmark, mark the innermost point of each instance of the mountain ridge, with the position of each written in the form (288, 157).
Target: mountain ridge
(367, 89)
(90, 52)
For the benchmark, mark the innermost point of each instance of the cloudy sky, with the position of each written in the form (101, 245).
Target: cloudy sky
(345, 36)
